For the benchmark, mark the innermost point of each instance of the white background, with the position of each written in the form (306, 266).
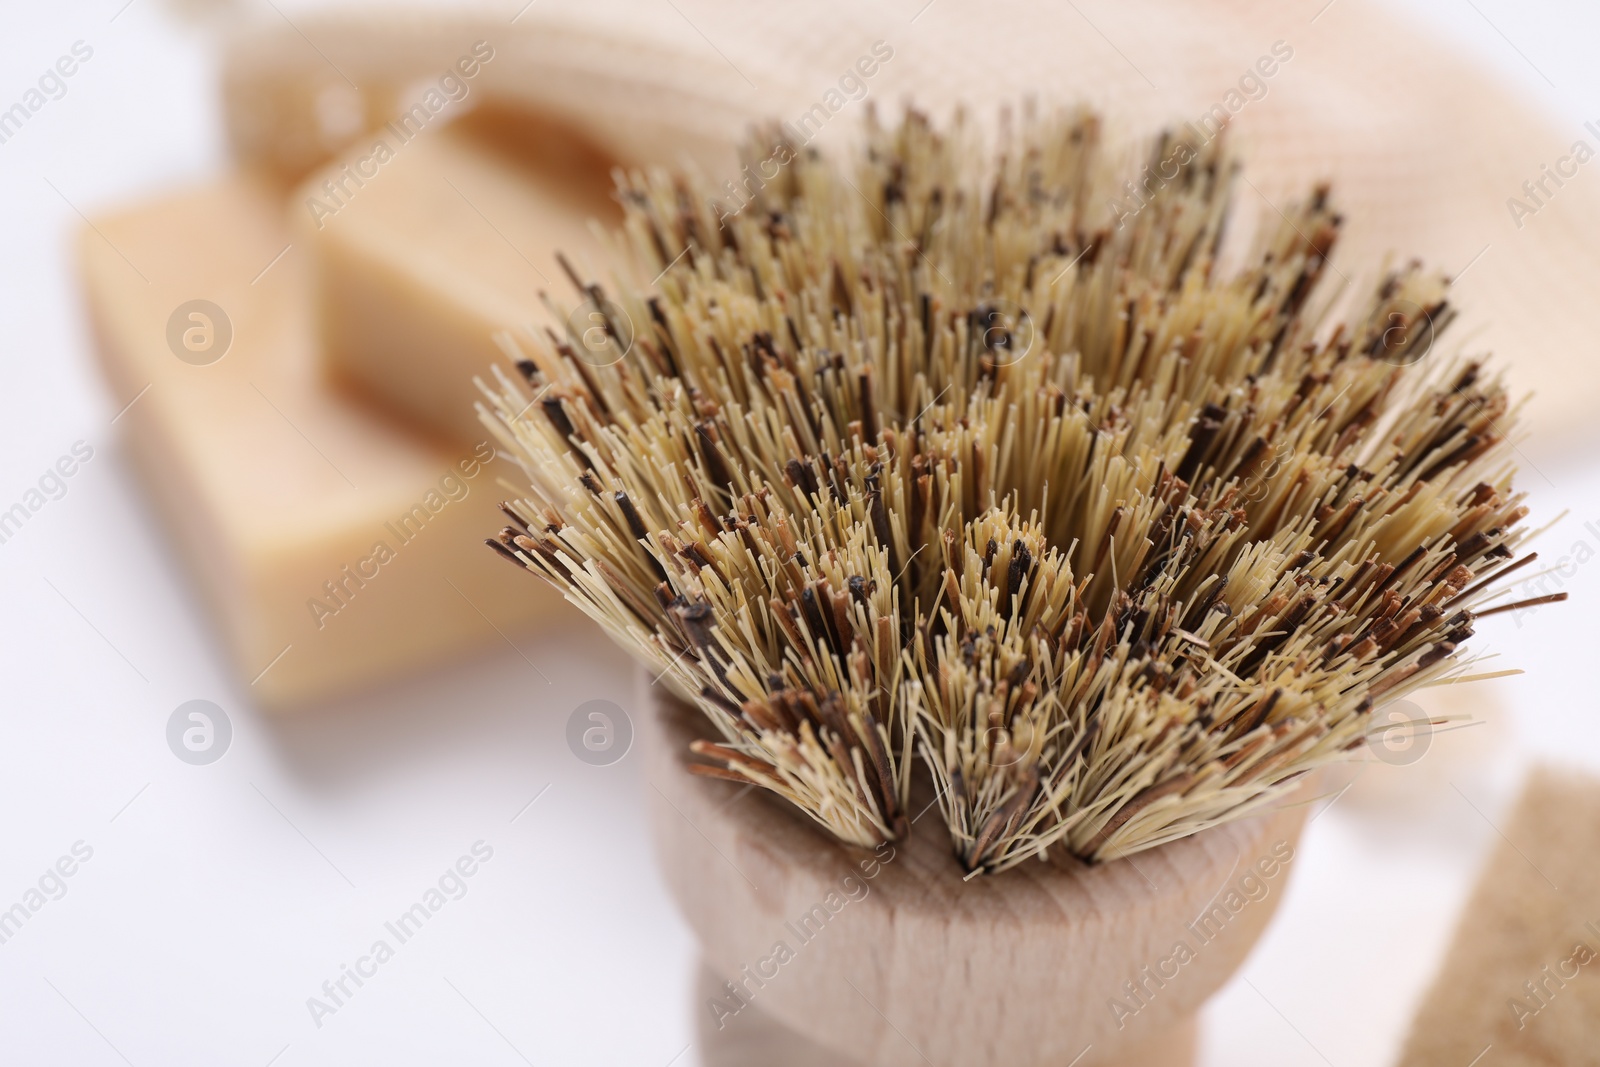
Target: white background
(219, 898)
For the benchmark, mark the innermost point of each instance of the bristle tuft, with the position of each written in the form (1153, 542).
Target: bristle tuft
(926, 463)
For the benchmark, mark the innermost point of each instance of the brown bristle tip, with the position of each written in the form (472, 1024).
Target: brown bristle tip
(972, 464)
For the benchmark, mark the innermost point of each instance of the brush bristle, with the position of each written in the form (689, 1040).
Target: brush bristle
(933, 462)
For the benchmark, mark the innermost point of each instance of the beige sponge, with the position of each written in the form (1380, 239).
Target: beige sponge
(1520, 985)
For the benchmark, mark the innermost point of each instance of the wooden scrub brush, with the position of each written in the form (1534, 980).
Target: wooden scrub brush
(973, 481)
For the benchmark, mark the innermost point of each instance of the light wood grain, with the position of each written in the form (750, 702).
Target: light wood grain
(295, 100)
(906, 963)
(760, 1039)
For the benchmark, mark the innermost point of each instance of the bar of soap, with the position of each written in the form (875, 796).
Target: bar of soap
(333, 549)
(426, 248)
(1522, 976)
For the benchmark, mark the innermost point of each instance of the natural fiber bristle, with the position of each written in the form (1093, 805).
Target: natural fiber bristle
(935, 463)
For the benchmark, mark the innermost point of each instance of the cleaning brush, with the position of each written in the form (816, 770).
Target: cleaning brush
(984, 461)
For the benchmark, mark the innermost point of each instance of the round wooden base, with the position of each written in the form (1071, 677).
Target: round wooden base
(890, 958)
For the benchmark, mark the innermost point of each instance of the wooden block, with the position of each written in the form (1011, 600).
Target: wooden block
(890, 958)
(1520, 985)
(277, 493)
(428, 242)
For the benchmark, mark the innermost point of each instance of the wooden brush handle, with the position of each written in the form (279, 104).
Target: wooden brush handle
(759, 1038)
(892, 958)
